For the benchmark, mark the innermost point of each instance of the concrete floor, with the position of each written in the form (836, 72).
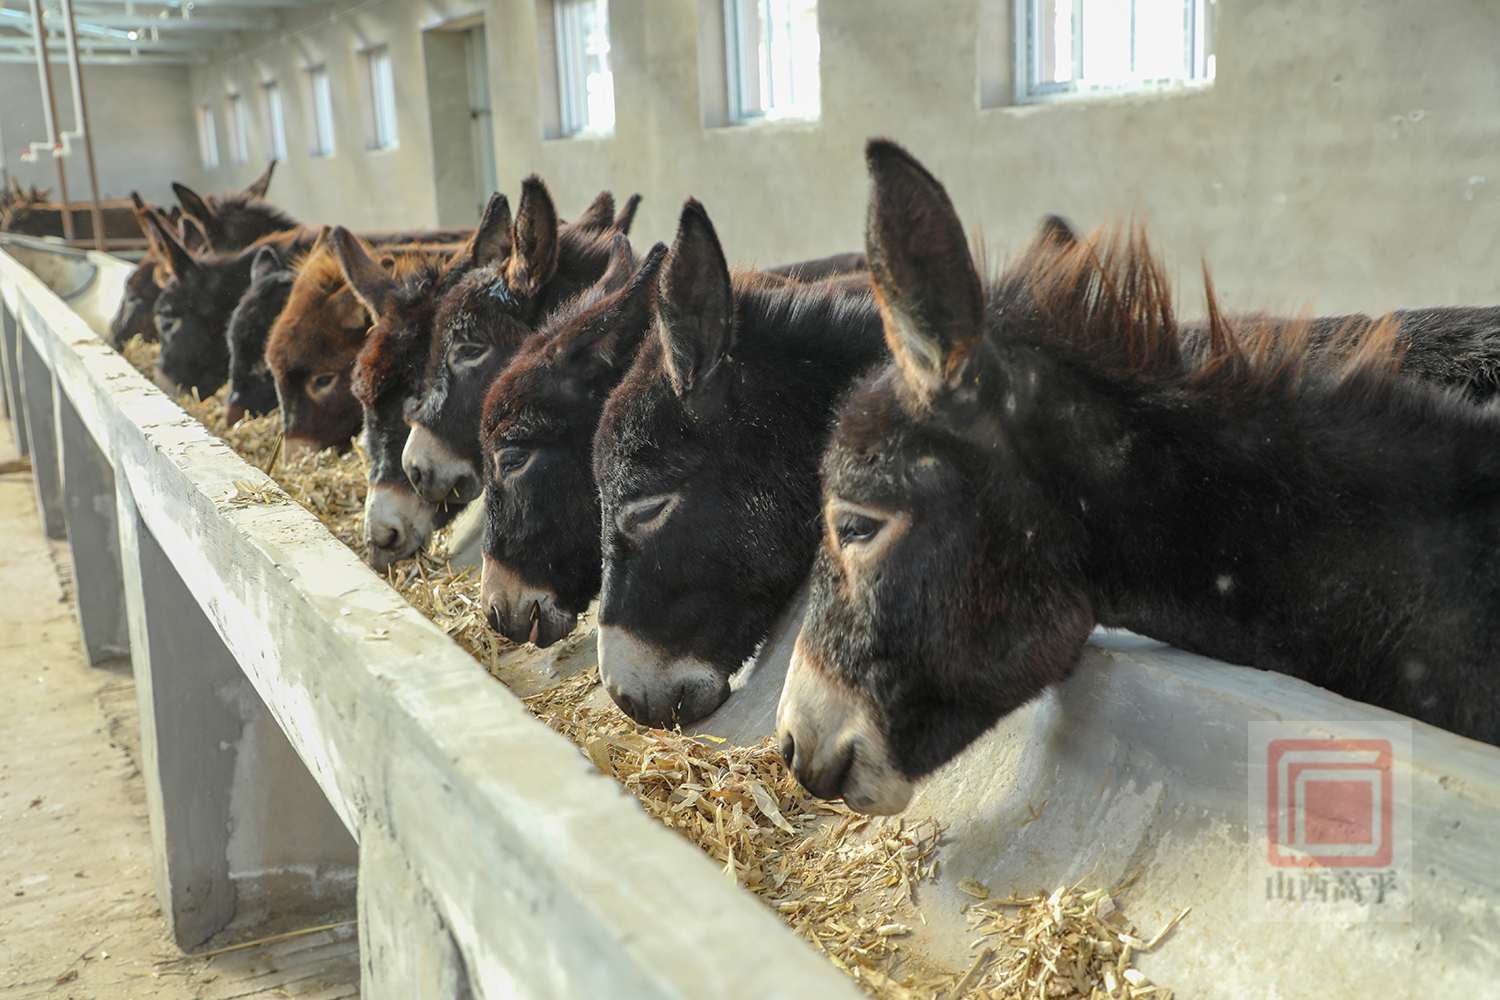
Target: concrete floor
(78, 911)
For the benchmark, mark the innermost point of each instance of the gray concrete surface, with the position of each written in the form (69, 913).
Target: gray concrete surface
(1347, 155)
(78, 910)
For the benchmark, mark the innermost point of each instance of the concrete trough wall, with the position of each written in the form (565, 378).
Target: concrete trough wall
(302, 725)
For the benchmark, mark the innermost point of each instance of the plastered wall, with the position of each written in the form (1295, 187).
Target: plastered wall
(1346, 157)
(140, 120)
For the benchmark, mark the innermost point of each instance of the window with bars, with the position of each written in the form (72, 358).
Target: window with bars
(1080, 48)
(239, 137)
(381, 97)
(321, 120)
(208, 137)
(772, 59)
(275, 121)
(585, 86)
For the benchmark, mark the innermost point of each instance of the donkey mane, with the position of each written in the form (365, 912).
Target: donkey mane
(817, 315)
(1107, 297)
(319, 278)
(244, 216)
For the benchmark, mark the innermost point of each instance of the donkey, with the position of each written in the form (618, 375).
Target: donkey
(313, 344)
(193, 307)
(387, 376)
(541, 553)
(1040, 457)
(480, 323)
(252, 389)
(233, 222)
(706, 463)
(540, 545)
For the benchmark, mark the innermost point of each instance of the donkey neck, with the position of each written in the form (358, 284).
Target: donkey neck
(1209, 515)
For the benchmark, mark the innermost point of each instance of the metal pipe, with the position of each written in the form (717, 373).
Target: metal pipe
(80, 111)
(49, 107)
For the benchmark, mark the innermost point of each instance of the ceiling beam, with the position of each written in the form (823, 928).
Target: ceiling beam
(89, 59)
(173, 20)
(200, 43)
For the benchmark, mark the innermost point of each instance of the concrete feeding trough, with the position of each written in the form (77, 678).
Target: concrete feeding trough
(309, 737)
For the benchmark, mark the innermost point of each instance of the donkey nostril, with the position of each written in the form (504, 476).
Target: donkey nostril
(492, 615)
(414, 473)
(787, 750)
(625, 702)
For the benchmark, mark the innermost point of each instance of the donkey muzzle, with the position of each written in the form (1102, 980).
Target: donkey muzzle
(653, 688)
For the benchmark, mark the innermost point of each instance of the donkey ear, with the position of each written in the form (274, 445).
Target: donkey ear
(621, 265)
(141, 212)
(1055, 234)
(696, 306)
(374, 286)
(192, 203)
(931, 300)
(193, 235)
(266, 262)
(533, 252)
(492, 238)
(599, 217)
(627, 215)
(257, 188)
(610, 341)
(175, 257)
(348, 311)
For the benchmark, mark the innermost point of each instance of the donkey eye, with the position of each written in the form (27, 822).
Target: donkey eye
(856, 528)
(464, 355)
(167, 325)
(647, 512)
(512, 460)
(324, 382)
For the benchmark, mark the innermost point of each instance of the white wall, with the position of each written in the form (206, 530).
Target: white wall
(139, 118)
(1347, 156)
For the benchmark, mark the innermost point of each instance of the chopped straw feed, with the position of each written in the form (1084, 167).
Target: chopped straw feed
(847, 883)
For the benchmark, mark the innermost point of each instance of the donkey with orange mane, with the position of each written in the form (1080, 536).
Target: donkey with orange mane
(1043, 456)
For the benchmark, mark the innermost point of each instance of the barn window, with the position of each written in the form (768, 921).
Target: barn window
(380, 97)
(1082, 48)
(586, 88)
(208, 137)
(772, 58)
(322, 111)
(275, 121)
(239, 139)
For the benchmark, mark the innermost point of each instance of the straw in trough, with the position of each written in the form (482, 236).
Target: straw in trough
(845, 882)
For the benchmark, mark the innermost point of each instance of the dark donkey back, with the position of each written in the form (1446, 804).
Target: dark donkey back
(1045, 453)
(706, 464)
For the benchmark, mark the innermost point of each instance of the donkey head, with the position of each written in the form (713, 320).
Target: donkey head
(541, 527)
(706, 464)
(252, 389)
(387, 375)
(311, 352)
(134, 315)
(946, 591)
(191, 311)
(522, 271)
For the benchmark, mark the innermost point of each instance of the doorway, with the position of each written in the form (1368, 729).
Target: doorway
(463, 138)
